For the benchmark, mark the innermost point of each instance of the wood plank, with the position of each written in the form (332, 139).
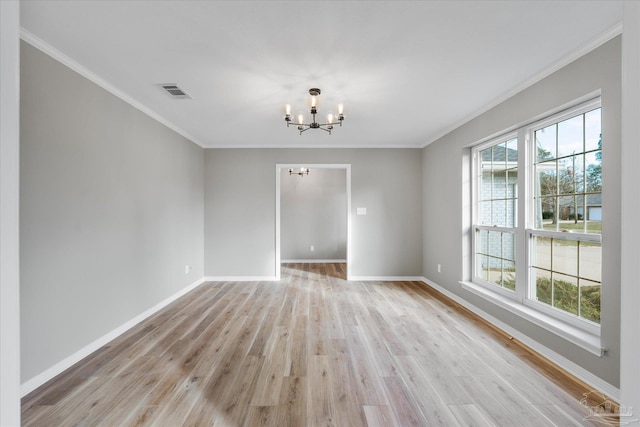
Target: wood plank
(321, 409)
(312, 349)
(292, 410)
(379, 416)
(269, 383)
(405, 409)
(470, 415)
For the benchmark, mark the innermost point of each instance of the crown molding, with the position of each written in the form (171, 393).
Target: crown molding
(43, 46)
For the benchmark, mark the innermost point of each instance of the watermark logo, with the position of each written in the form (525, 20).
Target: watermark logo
(606, 412)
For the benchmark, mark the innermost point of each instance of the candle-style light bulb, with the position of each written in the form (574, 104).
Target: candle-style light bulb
(340, 108)
(330, 118)
(300, 119)
(313, 101)
(287, 109)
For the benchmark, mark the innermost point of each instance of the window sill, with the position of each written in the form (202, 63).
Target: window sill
(586, 340)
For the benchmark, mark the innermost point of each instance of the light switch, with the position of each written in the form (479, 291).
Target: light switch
(361, 211)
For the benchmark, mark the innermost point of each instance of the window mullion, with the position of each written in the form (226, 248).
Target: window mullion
(522, 251)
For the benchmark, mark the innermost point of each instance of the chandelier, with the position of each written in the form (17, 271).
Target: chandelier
(303, 127)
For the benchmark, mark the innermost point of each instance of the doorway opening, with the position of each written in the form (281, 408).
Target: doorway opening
(331, 237)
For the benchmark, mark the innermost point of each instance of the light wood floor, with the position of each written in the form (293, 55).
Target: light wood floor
(311, 350)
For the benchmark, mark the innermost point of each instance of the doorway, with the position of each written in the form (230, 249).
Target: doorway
(306, 244)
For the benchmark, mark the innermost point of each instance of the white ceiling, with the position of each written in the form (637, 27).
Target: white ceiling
(407, 72)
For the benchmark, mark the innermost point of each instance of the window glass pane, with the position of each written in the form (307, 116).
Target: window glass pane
(495, 244)
(484, 213)
(482, 243)
(565, 293)
(541, 256)
(511, 178)
(486, 184)
(565, 256)
(593, 172)
(541, 284)
(486, 159)
(590, 300)
(509, 275)
(593, 130)
(545, 213)
(482, 267)
(512, 208)
(546, 182)
(512, 151)
(546, 143)
(565, 181)
(499, 213)
(565, 210)
(590, 262)
(594, 227)
(576, 173)
(509, 246)
(570, 136)
(499, 156)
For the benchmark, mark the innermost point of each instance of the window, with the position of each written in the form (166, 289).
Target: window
(542, 249)
(565, 234)
(497, 197)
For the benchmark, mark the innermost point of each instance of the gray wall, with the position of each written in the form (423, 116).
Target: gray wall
(313, 211)
(240, 209)
(111, 212)
(444, 208)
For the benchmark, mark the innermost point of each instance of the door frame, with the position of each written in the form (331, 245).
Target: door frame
(279, 167)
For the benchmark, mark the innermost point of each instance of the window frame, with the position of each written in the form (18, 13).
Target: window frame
(531, 231)
(475, 226)
(524, 231)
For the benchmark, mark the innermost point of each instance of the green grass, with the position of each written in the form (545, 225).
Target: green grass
(565, 297)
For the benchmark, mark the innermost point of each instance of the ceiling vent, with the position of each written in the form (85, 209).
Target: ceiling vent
(174, 91)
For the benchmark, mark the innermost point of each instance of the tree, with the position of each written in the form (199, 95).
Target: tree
(594, 172)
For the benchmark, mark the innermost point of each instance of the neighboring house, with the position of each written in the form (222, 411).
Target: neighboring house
(499, 187)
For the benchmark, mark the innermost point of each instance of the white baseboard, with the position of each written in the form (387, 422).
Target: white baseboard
(312, 261)
(241, 279)
(386, 278)
(35, 382)
(561, 361)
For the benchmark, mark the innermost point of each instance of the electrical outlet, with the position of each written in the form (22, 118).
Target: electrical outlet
(187, 269)
(312, 248)
(439, 268)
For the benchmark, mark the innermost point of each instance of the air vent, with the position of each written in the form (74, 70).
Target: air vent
(174, 91)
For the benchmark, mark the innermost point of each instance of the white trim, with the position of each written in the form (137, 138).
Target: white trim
(630, 252)
(347, 168)
(559, 360)
(277, 230)
(35, 382)
(566, 60)
(242, 278)
(304, 145)
(588, 340)
(385, 278)
(91, 76)
(9, 213)
(312, 261)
